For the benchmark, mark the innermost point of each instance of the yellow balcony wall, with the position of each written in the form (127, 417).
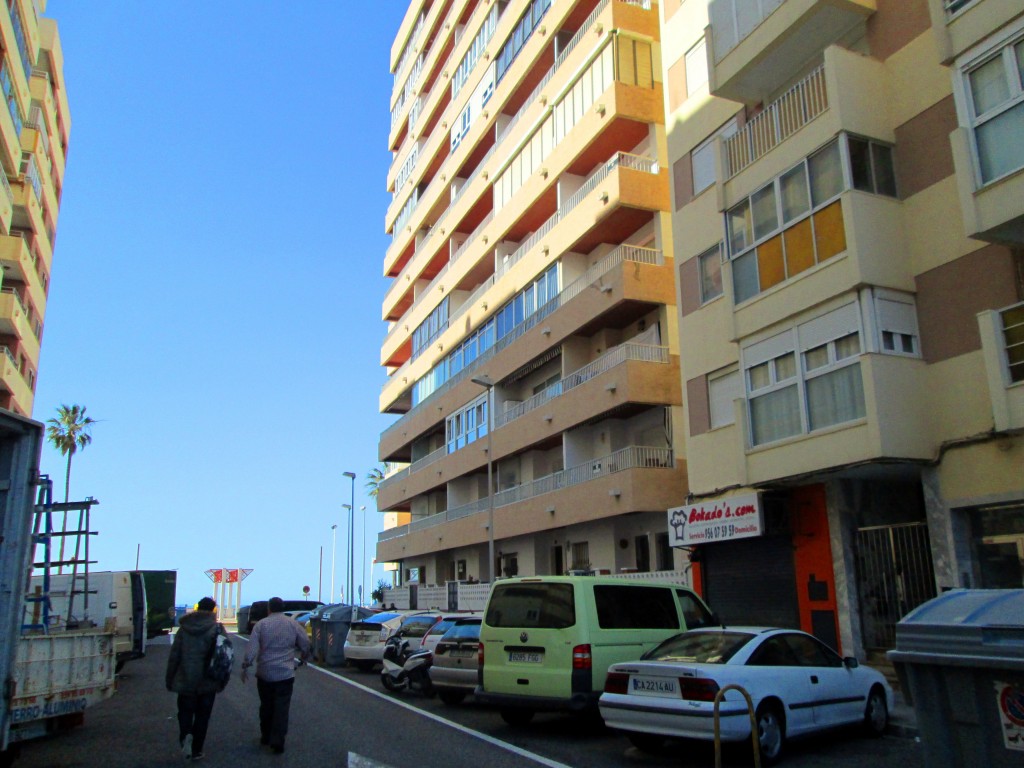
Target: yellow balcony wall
(27, 204)
(956, 32)
(13, 321)
(610, 495)
(6, 205)
(50, 42)
(750, 64)
(16, 260)
(993, 212)
(628, 282)
(1006, 395)
(12, 381)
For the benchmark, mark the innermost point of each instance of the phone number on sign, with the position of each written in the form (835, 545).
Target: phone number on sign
(715, 532)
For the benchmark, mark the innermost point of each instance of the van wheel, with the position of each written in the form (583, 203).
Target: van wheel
(451, 698)
(517, 716)
(651, 743)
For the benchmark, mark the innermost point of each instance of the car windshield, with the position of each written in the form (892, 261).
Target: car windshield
(463, 630)
(417, 626)
(441, 627)
(700, 647)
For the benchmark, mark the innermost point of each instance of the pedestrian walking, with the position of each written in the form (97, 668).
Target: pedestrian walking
(187, 664)
(272, 646)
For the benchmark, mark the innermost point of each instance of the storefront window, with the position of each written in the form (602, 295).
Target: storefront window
(999, 547)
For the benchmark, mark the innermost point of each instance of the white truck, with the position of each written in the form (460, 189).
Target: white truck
(50, 673)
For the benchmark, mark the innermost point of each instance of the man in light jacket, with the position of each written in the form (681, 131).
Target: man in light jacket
(272, 645)
(186, 675)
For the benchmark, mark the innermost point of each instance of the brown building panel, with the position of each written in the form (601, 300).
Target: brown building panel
(697, 401)
(689, 286)
(923, 154)
(896, 23)
(677, 84)
(682, 181)
(949, 298)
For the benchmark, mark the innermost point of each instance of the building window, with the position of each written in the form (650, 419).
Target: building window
(666, 559)
(467, 425)
(427, 331)
(696, 68)
(807, 378)
(796, 221)
(723, 389)
(995, 105)
(581, 556)
(710, 266)
(643, 553)
(702, 158)
(1013, 338)
(896, 317)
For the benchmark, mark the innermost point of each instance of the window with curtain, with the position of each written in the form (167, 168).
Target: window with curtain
(995, 102)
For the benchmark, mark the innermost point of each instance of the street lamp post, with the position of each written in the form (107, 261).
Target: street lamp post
(348, 587)
(488, 384)
(364, 575)
(351, 533)
(334, 542)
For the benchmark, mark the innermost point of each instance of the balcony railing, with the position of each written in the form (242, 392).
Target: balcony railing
(635, 457)
(1013, 340)
(781, 119)
(32, 174)
(614, 357)
(6, 186)
(17, 300)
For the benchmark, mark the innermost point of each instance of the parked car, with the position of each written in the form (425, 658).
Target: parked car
(364, 646)
(416, 626)
(259, 610)
(547, 641)
(454, 671)
(444, 622)
(798, 685)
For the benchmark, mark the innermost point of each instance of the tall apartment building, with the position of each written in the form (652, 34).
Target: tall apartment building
(34, 133)
(531, 307)
(848, 221)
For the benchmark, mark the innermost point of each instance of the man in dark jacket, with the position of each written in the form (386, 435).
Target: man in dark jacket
(186, 675)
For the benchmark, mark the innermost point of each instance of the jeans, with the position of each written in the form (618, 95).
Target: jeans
(194, 711)
(275, 701)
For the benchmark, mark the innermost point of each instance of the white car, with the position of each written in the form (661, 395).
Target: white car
(442, 625)
(797, 684)
(364, 645)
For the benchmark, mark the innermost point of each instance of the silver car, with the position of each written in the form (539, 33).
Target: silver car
(455, 665)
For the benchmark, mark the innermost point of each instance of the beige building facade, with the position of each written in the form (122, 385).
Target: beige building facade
(34, 131)
(848, 218)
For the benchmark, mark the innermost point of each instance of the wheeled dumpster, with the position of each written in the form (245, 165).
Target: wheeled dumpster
(960, 659)
(335, 624)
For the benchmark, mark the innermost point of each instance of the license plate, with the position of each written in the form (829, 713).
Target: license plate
(525, 657)
(653, 686)
(462, 653)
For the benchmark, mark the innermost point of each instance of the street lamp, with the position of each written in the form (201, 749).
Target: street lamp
(488, 384)
(348, 587)
(334, 541)
(365, 572)
(351, 532)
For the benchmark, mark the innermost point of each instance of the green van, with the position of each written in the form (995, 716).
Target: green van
(546, 642)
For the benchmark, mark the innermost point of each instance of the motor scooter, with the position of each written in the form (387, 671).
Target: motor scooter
(404, 668)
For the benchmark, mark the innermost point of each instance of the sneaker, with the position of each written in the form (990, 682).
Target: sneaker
(186, 746)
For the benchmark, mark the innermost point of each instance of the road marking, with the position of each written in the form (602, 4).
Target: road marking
(358, 761)
(437, 719)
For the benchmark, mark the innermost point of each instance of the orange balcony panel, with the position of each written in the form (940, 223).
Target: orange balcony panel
(754, 49)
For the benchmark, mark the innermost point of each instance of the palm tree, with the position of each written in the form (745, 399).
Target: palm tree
(69, 433)
(373, 480)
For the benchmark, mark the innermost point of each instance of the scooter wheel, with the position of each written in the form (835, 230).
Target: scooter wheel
(391, 684)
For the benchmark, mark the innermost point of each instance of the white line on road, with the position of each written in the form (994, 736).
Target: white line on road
(438, 719)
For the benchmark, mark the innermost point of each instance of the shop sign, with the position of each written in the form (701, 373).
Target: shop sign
(734, 517)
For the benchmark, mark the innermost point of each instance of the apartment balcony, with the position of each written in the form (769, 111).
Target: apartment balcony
(28, 213)
(756, 46)
(633, 479)
(629, 282)
(1002, 342)
(6, 204)
(19, 264)
(12, 381)
(14, 321)
(629, 378)
(993, 209)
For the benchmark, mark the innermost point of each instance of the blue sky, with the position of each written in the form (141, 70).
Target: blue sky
(216, 286)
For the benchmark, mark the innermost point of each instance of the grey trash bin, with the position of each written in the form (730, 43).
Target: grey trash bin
(319, 639)
(960, 659)
(335, 622)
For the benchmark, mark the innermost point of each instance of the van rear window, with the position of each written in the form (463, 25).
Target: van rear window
(532, 606)
(635, 607)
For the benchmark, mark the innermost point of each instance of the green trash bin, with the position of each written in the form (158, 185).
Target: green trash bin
(335, 621)
(960, 659)
(319, 640)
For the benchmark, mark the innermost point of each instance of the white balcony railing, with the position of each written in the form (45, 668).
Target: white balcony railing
(635, 457)
(781, 119)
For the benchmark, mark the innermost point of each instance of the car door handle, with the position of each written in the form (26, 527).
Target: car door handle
(814, 679)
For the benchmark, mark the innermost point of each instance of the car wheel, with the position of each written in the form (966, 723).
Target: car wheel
(876, 713)
(517, 716)
(651, 743)
(771, 732)
(451, 698)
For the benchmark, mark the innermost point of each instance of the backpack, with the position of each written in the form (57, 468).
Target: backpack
(220, 660)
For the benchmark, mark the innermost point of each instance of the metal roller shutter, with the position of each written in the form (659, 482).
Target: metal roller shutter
(752, 581)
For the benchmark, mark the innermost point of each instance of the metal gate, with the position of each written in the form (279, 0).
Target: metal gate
(894, 576)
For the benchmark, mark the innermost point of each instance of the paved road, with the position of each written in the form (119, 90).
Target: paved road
(343, 718)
